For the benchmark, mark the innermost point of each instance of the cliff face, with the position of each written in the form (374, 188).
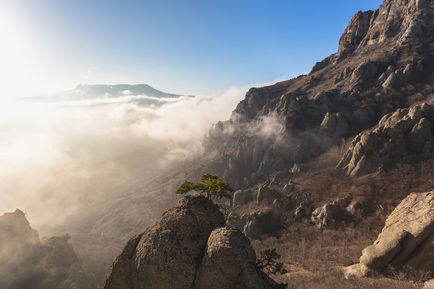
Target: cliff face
(385, 62)
(26, 262)
(405, 241)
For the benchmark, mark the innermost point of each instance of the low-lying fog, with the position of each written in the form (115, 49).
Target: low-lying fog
(58, 154)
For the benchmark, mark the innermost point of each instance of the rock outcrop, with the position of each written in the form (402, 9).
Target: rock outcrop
(406, 135)
(188, 249)
(262, 223)
(230, 262)
(407, 239)
(26, 262)
(385, 62)
(332, 214)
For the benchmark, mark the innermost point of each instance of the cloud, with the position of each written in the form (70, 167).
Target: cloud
(269, 126)
(60, 157)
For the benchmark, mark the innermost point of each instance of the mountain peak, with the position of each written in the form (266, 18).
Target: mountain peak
(396, 23)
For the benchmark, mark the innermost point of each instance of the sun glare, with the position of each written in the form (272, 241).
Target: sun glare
(15, 57)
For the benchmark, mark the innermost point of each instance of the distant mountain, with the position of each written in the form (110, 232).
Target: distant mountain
(109, 91)
(141, 94)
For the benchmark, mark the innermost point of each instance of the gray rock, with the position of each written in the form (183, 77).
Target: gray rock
(364, 73)
(260, 224)
(243, 197)
(266, 195)
(330, 215)
(229, 262)
(166, 255)
(429, 284)
(406, 239)
(187, 250)
(402, 136)
(303, 211)
(355, 32)
(360, 207)
(335, 123)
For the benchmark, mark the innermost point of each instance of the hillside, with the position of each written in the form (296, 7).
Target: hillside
(357, 132)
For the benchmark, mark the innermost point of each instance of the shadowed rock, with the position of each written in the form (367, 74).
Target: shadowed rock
(182, 251)
(230, 262)
(403, 136)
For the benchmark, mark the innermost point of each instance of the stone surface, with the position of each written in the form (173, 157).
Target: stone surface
(229, 262)
(405, 135)
(187, 250)
(166, 255)
(26, 262)
(355, 32)
(262, 223)
(335, 123)
(332, 214)
(429, 284)
(406, 239)
(267, 195)
(243, 197)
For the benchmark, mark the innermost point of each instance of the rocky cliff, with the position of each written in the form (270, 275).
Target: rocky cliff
(26, 262)
(385, 62)
(405, 135)
(188, 248)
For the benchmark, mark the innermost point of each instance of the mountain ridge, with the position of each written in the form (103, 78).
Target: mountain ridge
(282, 142)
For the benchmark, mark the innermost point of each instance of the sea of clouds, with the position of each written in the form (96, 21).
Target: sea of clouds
(56, 156)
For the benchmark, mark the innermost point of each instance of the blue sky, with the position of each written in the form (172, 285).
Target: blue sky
(189, 46)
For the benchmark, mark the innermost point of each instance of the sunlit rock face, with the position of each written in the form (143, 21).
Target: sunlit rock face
(405, 135)
(385, 61)
(405, 241)
(26, 262)
(188, 248)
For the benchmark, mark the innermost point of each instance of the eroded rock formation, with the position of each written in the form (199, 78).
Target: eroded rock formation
(405, 241)
(188, 249)
(385, 62)
(405, 135)
(26, 262)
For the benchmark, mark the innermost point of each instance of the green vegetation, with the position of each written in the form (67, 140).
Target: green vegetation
(210, 185)
(269, 262)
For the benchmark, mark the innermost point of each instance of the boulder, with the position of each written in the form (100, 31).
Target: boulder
(406, 239)
(259, 224)
(187, 249)
(166, 255)
(360, 207)
(429, 284)
(332, 214)
(229, 262)
(365, 73)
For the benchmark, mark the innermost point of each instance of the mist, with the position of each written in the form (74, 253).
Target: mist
(61, 156)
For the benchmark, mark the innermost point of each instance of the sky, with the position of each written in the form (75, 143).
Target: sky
(186, 47)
